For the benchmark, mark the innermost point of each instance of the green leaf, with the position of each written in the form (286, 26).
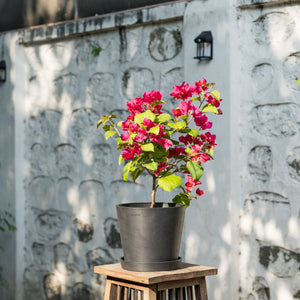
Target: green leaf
(193, 132)
(109, 134)
(154, 130)
(120, 124)
(163, 118)
(108, 127)
(178, 125)
(170, 182)
(211, 152)
(163, 159)
(195, 169)
(188, 150)
(126, 170)
(151, 166)
(209, 108)
(121, 159)
(185, 118)
(175, 142)
(113, 117)
(297, 81)
(182, 198)
(139, 118)
(103, 120)
(148, 147)
(136, 173)
(216, 95)
(195, 98)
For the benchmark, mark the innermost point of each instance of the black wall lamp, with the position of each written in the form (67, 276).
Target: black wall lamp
(2, 71)
(204, 43)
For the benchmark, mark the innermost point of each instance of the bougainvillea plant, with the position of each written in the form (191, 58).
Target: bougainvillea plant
(165, 145)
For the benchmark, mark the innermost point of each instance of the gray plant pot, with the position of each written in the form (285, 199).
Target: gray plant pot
(150, 237)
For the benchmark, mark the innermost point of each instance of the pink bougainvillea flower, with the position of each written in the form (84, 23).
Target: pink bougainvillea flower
(160, 168)
(150, 97)
(200, 86)
(196, 149)
(191, 183)
(135, 106)
(202, 121)
(125, 125)
(213, 101)
(176, 151)
(208, 137)
(177, 112)
(149, 124)
(141, 136)
(133, 127)
(199, 192)
(186, 106)
(128, 153)
(157, 108)
(182, 92)
(125, 136)
(204, 157)
(137, 149)
(166, 143)
(188, 139)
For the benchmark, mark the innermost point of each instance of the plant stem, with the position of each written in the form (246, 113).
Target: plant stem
(153, 191)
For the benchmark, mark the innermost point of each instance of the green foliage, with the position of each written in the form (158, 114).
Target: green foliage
(148, 114)
(96, 50)
(209, 108)
(170, 182)
(182, 198)
(195, 169)
(176, 34)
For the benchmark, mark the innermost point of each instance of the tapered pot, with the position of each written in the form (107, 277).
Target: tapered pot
(150, 237)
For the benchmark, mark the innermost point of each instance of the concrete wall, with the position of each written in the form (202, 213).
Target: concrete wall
(16, 14)
(270, 206)
(65, 174)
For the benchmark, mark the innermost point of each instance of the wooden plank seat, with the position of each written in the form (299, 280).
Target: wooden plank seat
(186, 283)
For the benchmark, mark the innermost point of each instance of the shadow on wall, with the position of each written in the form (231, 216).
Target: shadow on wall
(270, 212)
(7, 176)
(73, 180)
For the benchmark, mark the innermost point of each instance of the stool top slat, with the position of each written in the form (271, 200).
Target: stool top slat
(187, 271)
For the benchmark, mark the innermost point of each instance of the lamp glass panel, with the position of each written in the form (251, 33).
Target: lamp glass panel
(207, 49)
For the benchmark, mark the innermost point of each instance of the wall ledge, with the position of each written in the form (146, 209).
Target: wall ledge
(248, 4)
(69, 29)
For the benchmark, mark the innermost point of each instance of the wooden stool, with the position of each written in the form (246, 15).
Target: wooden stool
(186, 283)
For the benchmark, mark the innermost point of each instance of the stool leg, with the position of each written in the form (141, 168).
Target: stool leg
(200, 290)
(110, 290)
(149, 294)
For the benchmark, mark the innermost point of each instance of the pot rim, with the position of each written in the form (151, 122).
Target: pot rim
(146, 205)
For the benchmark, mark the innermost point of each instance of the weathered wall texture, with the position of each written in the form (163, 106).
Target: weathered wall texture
(65, 174)
(270, 142)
